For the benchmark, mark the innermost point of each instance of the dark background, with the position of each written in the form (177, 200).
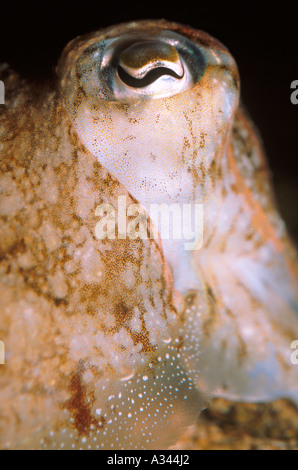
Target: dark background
(263, 38)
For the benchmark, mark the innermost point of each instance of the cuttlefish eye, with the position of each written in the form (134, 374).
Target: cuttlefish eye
(142, 63)
(138, 65)
(157, 67)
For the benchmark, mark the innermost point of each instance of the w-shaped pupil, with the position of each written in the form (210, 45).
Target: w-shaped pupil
(149, 78)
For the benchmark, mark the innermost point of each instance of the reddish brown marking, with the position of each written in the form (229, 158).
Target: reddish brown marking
(79, 405)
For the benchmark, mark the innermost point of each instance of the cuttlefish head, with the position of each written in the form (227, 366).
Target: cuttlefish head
(154, 102)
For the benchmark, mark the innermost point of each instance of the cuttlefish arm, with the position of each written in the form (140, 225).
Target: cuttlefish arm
(249, 265)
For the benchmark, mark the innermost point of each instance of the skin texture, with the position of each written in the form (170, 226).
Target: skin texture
(110, 343)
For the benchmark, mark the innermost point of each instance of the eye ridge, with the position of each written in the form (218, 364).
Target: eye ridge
(149, 78)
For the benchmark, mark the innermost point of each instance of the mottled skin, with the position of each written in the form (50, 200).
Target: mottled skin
(69, 302)
(101, 348)
(251, 281)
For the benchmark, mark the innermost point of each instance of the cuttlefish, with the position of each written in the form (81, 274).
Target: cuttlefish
(112, 339)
